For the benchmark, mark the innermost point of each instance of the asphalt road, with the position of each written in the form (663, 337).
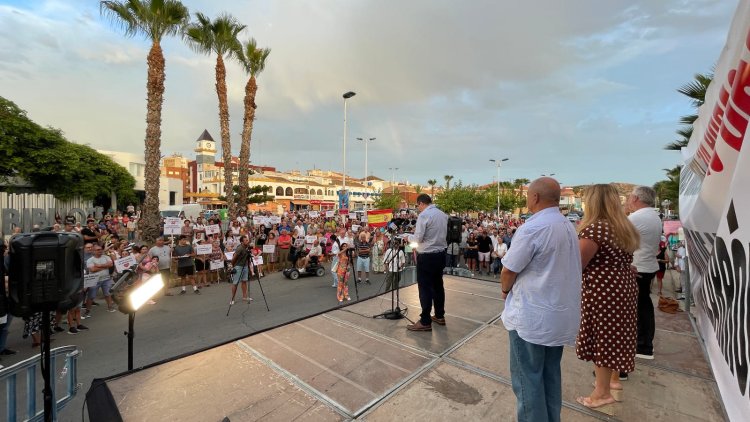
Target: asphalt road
(186, 323)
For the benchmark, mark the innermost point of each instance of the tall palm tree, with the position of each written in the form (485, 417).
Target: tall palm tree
(432, 183)
(253, 60)
(696, 91)
(448, 179)
(154, 19)
(219, 37)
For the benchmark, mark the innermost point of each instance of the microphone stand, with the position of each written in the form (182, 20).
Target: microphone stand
(395, 312)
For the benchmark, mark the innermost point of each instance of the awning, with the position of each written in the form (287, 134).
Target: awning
(300, 202)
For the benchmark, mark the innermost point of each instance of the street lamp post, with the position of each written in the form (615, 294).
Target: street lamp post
(497, 164)
(393, 176)
(346, 96)
(366, 140)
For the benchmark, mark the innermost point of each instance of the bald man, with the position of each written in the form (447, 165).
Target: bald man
(541, 282)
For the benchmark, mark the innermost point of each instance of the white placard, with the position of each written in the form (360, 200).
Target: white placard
(355, 228)
(258, 260)
(313, 214)
(310, 239)
(125, 263)
(172, 230)
(258, 220)
(269, 248)
(203, 249)
(299, 242)
(229, 255)
(90, 280)
(274, 219)
(173, 221)
(216, 265)
(213, 229)
(329, 213)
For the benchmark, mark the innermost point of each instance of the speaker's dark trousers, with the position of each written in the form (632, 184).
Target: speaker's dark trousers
(430, 282)
(646, 326)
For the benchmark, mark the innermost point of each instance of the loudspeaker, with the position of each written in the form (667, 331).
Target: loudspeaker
(46, 272)
(454, 230)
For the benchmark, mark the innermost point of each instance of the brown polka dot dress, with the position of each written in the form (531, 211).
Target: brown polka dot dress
(607, 335)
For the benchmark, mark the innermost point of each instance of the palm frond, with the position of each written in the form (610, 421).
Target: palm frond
(676, 145)
(689, 119)
(154, 18)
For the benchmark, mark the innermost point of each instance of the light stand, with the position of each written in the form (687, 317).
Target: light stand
(47, 392)
(350, 252)
(129, 300)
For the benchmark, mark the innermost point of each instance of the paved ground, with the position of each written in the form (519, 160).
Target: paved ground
(185, 323)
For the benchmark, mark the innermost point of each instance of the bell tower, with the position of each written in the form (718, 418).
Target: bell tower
(205, 149)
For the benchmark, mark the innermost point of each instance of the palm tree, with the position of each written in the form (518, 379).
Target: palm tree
(153, 19)
(432, 183)
(219, 37)
(253, 60)
(448, 179)
(696, 91)
(417, 189)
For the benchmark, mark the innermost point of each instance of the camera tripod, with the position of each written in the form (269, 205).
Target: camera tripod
(248, 261)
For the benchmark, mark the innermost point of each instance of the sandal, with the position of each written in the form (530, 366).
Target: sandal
(586, 401)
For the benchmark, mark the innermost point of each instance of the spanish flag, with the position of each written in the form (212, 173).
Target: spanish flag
(379, 218)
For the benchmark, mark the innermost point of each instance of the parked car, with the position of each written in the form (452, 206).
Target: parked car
(574, 218)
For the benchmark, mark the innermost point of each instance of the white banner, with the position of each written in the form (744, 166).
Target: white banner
(90, 280)
(173, 221)
(203, 249)
(229, 255)
(313, 214)
(310, 239)
(330, 213)
(274, 219)
(172, 230)
(355, 228)
(213, 229)
(269, 248)
(259, 220)
(216, 265)
(125, 263)
(714, 209)
(258, 260)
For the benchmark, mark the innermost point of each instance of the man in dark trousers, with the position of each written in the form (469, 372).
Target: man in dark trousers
(430, 236)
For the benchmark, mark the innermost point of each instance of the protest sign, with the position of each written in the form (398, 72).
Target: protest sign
(125, 263)
(203, 249)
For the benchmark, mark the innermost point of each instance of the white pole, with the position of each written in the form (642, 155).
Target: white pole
(343, 180)
(498, 189)
(366, 190)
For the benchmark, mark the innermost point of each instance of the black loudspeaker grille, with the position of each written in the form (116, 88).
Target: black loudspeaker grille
(454, 230)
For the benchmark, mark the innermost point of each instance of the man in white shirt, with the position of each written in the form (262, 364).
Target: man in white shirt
(646, 220)
(395, 261)
(541, 279)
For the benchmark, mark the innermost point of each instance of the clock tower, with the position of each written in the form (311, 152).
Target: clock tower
(205, 149)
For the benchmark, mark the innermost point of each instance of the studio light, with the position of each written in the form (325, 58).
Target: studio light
(145, 292)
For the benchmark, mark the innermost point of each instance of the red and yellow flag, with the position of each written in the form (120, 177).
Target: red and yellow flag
(379, 218)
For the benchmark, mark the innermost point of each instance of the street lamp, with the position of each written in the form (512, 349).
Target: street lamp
(366, 140)
(393, 176)
(346, 96)
(497, 164)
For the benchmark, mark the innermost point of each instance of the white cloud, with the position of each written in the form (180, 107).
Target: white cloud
(579, 88)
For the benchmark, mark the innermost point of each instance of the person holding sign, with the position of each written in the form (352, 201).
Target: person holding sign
(184, 255)
(240, 268)
(269, 251)
(99, 265)
(201, 263)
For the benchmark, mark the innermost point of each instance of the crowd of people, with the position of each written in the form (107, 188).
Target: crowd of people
(563, 283)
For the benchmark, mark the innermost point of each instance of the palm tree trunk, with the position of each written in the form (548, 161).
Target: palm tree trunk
(247, 133)
(149, 222)
(226, 145)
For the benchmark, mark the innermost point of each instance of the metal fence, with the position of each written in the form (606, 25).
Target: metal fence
(66, 374)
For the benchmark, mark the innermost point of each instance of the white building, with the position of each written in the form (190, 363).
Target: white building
(170, 189)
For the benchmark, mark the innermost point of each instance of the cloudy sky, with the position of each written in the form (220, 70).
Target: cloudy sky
(584, 89)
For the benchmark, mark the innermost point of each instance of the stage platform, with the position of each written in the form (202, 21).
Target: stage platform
(345, 365)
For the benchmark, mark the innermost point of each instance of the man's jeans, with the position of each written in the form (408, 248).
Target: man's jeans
(536, 380)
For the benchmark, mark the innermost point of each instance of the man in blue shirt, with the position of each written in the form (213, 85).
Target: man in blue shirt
(430, 236)
(541, 279)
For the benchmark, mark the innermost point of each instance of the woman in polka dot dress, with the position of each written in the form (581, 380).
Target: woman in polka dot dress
(607, 336)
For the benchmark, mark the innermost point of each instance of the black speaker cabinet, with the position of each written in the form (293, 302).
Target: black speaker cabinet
(454, 230)
(45, 272)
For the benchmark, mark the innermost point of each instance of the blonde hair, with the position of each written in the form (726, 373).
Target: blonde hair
(603, 204)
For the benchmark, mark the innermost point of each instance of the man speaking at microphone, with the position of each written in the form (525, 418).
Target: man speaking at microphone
(430, 236)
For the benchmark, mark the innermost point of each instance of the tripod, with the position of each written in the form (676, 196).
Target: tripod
(350, 255)
(249, 261)
(395, 258)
